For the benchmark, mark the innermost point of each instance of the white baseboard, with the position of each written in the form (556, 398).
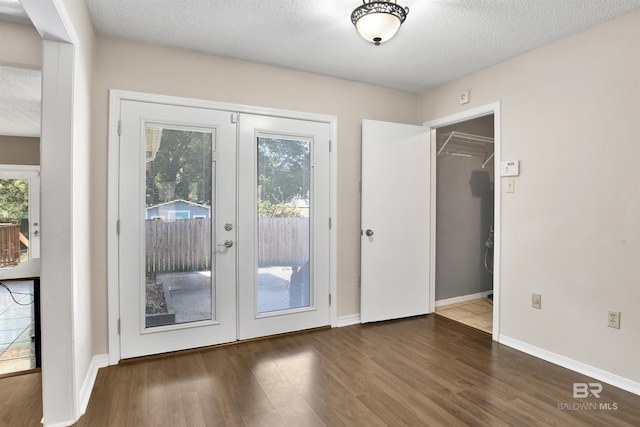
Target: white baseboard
(574, 365)
(61, 424)
(463, 298)
(352, 319)
(98, 361)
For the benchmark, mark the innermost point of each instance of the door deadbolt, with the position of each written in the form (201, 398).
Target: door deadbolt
(228, 227)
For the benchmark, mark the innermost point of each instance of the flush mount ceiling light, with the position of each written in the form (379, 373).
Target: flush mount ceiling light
(378, 21)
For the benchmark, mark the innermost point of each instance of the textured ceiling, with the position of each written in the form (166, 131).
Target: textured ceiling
(19, 87)
(440, 41)
(20, 90)
(11, 10)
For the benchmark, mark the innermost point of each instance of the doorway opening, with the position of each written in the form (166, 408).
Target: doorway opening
(465, 222)
(17, 327)
(19, 268)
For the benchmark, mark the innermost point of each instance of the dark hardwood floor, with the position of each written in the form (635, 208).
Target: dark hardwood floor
(424, 371)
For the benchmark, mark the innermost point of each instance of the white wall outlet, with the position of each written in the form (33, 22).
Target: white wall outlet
(536, 301)
(511, 185)
(465, 97)
(613, 320)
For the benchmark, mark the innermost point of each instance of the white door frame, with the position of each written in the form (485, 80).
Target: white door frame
(61, 398)
(484, 110)
(115, 97)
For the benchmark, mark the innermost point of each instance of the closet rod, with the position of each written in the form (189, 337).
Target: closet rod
(487, 161)
(466, 139)
(445, 144)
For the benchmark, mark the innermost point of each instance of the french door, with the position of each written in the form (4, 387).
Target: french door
(176, 196)
(283, 234)
(219, 230)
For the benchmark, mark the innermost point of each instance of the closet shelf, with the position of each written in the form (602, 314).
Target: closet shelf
(465, 144)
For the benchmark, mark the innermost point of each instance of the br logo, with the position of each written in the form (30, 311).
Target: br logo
(584, 390)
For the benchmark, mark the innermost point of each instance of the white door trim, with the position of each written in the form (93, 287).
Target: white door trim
(115, 98)
(20, 168)
(493, 108)
(60, 394)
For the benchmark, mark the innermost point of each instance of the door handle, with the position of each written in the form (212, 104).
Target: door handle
(369, 232)
(227, 244)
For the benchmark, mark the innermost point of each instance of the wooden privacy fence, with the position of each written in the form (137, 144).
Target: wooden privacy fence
(283, 241)
(9, 245)
(181, 245)
(185, 245)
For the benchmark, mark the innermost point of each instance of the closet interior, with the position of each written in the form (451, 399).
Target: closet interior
(464, 222)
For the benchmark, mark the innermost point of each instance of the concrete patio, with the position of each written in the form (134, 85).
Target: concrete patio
(188, 294)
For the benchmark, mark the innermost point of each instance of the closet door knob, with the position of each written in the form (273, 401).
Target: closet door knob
(369, 232)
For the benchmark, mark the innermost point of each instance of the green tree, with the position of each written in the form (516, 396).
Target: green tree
(266, 209)
(181, 168)
(283, 175)
(14, 199)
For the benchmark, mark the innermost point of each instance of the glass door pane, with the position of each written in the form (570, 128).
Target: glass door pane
(178, 226)
(284, 212)
(14, 222)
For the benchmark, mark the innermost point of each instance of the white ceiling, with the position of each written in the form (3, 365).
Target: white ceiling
(12, 11)
(20, 101)
(19, 87)
(440, 41)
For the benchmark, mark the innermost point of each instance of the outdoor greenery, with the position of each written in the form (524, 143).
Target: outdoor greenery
(266, 209)
(14, 199)
(181, 168)
(283, 176)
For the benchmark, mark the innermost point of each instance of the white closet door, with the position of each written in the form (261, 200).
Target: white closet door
(395, 221)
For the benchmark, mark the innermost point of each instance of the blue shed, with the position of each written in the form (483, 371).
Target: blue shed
(178, 209)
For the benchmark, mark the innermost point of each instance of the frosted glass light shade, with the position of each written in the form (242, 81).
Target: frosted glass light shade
(378, 27)
(377, 21)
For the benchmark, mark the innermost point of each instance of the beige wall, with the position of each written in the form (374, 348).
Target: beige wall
(21, 45)
(18, 150)
(145, 68)
(571, 231)
(569, 113)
